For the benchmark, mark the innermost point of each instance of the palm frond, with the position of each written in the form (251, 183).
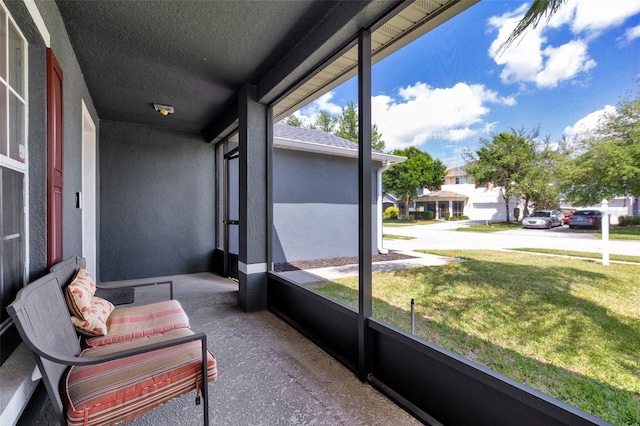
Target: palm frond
(538, 9)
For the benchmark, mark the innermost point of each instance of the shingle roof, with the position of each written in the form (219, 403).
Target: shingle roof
(298, 138)
(285, 131)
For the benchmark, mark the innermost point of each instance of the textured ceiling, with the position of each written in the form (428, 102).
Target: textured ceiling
(193, 55)
(196, 54)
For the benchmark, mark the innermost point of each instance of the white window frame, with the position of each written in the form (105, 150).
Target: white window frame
(6, 160)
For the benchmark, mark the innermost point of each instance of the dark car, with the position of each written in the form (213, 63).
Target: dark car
(543, 219)
(586, 219)
(568, 212)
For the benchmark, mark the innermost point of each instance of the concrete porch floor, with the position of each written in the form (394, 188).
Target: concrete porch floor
(268, 373)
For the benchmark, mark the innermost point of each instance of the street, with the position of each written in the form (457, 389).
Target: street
(443, 236)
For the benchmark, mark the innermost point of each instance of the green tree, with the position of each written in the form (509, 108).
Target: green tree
(344, 126)
(539, 186)
(608, 163)
(348, 123)
(347, 127)
(418, 171)
(376, 139)
(509, 160)
(293, 120)
(324, 122)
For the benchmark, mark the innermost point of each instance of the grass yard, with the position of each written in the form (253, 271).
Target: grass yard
(492, 227)
(570, 328)
(615, 233)
(597, 256)
(403, 222)
(397, 237)
(623, 233)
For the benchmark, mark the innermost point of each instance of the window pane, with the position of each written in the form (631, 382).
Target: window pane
(16, 128)
(3, 120)
(11, 235)
(3, 44)
(12, 212)
(16, 57)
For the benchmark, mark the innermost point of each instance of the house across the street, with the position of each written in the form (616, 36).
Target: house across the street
(460, 196)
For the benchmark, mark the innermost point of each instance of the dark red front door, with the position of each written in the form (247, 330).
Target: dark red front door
(54, 159)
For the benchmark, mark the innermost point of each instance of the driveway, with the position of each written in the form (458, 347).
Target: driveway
(443, 236)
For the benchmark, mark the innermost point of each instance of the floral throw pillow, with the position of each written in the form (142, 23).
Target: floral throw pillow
(95, 323)
(79, 293)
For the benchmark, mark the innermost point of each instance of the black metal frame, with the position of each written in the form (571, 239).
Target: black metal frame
(365, 306)
(435, 385)
(432, 383)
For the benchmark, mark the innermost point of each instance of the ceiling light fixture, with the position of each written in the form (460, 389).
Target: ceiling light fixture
(163, 109)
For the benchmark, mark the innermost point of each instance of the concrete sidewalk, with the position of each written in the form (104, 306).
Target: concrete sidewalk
(315, 275)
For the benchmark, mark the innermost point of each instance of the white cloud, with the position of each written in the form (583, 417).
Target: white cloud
(563, 63)
(584, 127)
(422, 113)
(324, 103)
(632, 33)
(524, 59)
(592, 17)
(531, 59)
(309, 113)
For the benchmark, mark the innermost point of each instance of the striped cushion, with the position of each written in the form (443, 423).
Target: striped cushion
(122, 389)
(139, 321)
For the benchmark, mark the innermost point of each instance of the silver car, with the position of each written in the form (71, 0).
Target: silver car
(586, 218)
(543, 219)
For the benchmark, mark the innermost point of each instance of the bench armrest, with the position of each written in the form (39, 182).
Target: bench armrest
(143, 282)
(92, 360)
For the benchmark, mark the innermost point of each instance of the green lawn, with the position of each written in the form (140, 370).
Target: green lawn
(615, 233)
(623, 233)
(618, 257)
(570, 328)
(397, 237)
(492, 227)
(402, 222)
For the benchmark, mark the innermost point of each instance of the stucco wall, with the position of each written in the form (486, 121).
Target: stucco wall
(157, 202)
(315, 206)
(75, 90)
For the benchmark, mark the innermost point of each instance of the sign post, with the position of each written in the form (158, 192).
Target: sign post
(605, 232)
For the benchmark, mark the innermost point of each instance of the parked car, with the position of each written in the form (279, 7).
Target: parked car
(543, 219)
(586, 218)
(568, 212)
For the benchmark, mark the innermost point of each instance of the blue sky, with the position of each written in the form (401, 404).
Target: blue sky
(447, 89)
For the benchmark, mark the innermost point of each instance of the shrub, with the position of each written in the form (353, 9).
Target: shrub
(429, 215)
(464, 217)
(390, 213)
(628, 220)
(446, 215)
(453, 218)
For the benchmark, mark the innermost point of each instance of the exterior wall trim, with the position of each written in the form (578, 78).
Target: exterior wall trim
(37, 19)
(252, 268)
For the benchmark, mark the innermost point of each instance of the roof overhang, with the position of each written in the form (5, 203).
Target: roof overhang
(407, 23)
(441, 196)
(298, 145)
